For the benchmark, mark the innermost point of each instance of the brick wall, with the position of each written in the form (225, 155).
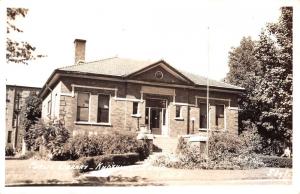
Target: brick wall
(121, 111)
(11, 92)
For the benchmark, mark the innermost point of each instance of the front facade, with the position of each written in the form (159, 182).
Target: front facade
(126, 95)
(15, 100)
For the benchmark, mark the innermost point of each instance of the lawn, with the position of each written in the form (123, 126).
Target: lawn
(39, 172)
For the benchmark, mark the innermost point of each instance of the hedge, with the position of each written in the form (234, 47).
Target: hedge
(277, 162)
(9, 151)
(109, 160)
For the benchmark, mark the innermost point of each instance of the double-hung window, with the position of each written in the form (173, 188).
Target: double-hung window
(103, 108)
(220, 116)
(83, 105)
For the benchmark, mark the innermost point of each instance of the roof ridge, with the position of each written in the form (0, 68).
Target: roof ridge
(88, 62)
(210, 79)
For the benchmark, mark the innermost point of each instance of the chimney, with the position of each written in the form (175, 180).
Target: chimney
(79, 50)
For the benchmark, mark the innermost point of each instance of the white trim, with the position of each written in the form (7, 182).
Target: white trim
(128, 99)
(182, 104)
(93, 87)
(210, 98)
(67, 94)
(227, 90)
(91, 123)
(72, 94)
(234, 108)
(136, 115)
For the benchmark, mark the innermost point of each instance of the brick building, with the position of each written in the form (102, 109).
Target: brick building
(15, 100)
(123, 94)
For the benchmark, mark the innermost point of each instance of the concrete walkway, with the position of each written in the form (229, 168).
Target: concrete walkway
(147, 174)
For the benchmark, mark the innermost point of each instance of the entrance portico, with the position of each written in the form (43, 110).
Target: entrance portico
(156, 116)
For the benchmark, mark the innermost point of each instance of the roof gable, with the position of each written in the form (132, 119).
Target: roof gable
(160, 72)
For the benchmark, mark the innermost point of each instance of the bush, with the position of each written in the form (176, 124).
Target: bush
(83, 145)
(9, 151)
(226, 151)
(277, 162)
(108, 161)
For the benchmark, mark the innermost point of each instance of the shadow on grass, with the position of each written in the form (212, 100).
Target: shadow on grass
(91, 181)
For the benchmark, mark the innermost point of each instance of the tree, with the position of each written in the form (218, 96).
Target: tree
(264, 69)
(274, 90)
(18, 52)
(245, 72)
(30, 115)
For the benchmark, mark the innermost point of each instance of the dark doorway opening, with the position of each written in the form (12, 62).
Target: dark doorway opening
(155, 115)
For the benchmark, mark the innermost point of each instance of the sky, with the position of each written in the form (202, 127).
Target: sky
(195, 36)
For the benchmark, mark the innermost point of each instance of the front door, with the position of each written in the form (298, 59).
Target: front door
(155, 120)
(156, 115)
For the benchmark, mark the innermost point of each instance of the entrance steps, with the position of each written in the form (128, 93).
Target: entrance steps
(164, 144)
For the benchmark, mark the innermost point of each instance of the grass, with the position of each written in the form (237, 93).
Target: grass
(56, 173)
(37, 172)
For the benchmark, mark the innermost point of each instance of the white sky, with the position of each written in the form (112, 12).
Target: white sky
(176, 31)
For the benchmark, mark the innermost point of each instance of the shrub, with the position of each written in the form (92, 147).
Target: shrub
(83, 145)
(110, 160)
(143, 150)
(9, 151)
(226, 151)
(277, 162)
(27, 155)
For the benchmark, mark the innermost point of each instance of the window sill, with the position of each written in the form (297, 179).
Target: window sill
(136, 115)
(179, 118)
(91, 123)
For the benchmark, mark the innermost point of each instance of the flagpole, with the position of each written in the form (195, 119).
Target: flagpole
(207, 94)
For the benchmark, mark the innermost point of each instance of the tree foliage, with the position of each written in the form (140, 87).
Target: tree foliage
(18, 51)
(30, 115)
(264, 69)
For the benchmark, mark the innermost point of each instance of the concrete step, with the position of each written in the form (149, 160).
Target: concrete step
(165, 144)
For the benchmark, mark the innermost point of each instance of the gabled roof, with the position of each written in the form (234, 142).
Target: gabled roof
(111, 66)
(124, 67)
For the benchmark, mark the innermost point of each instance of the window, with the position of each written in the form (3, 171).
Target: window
(135, 106)
(159, 75)
(147, 115)
(14, 121)
(220, 116)
(203, 116)
(178, 111)
(9, 136)
(83, 101)
(49, 107)
(164, 116)
(103, 108)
